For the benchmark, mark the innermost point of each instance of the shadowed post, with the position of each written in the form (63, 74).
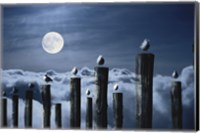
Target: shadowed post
(144, 73)
(4, 110)
(117, 108)
(100, 103)
(75, 100)
(46, 97)
(58, 111)
(88, 110)
(15, 100)
(28, 106)
(176, 102)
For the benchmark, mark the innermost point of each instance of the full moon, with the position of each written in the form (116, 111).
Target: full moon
(52, 42)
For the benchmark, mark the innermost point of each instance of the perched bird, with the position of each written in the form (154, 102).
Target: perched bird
(31, 85)
(145, 45)
(100, 60)
(3, 93)
(14, 90)
(87, 92)
(116, 86)
(47, 78)
(74, 71)
(175, 74)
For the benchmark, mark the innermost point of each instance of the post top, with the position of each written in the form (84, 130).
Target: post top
(176, 86)
(117, 93)
(146, 54)
(75, 77)
(100, 67)
(176, 82)
(58, 104)
(44, 85)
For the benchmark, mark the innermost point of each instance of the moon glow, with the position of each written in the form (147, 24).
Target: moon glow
(52, 42)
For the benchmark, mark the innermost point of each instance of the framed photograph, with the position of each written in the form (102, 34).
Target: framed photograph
(100, 66)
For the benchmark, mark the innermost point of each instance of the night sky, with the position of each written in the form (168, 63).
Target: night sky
(113, 30)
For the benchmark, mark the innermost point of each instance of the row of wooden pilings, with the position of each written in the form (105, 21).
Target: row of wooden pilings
(144, 96)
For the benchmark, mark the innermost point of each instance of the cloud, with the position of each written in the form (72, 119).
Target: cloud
(125, 79)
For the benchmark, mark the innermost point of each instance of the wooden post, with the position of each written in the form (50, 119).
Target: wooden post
(144, 73)
(89, 113)
(46, 96)
(58, 111)
(75, 101)
(15, 101)
(118, 110)
(28, 107)
(176, 105)
(4, 111)
(100, 103)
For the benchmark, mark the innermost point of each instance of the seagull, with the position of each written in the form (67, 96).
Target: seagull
(47, 78)
(145, 45)
(74, 71)
(116, 86)
(31, 85)
(175, 74)
(14, 90)
(87, 92)
(100, 60)
(4, 93)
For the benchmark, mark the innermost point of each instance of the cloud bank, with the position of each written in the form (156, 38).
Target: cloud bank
(125, 79)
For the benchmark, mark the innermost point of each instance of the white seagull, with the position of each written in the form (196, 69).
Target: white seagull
(100, 60)
(74, 71)
(145, 45)
(87, 92)
(175, 74)
(47, 78)
(116, 86)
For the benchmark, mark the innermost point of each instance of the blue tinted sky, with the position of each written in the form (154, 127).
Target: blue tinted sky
(113, 30)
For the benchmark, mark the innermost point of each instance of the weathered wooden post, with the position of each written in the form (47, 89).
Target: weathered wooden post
(28, 106)
(176, 105)
(88, 110)
(75, 100)
(100, 101)
(144, 73)
(15, 101)
(117, 108)
(58, 112)
(4, 110)
(46, 97)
